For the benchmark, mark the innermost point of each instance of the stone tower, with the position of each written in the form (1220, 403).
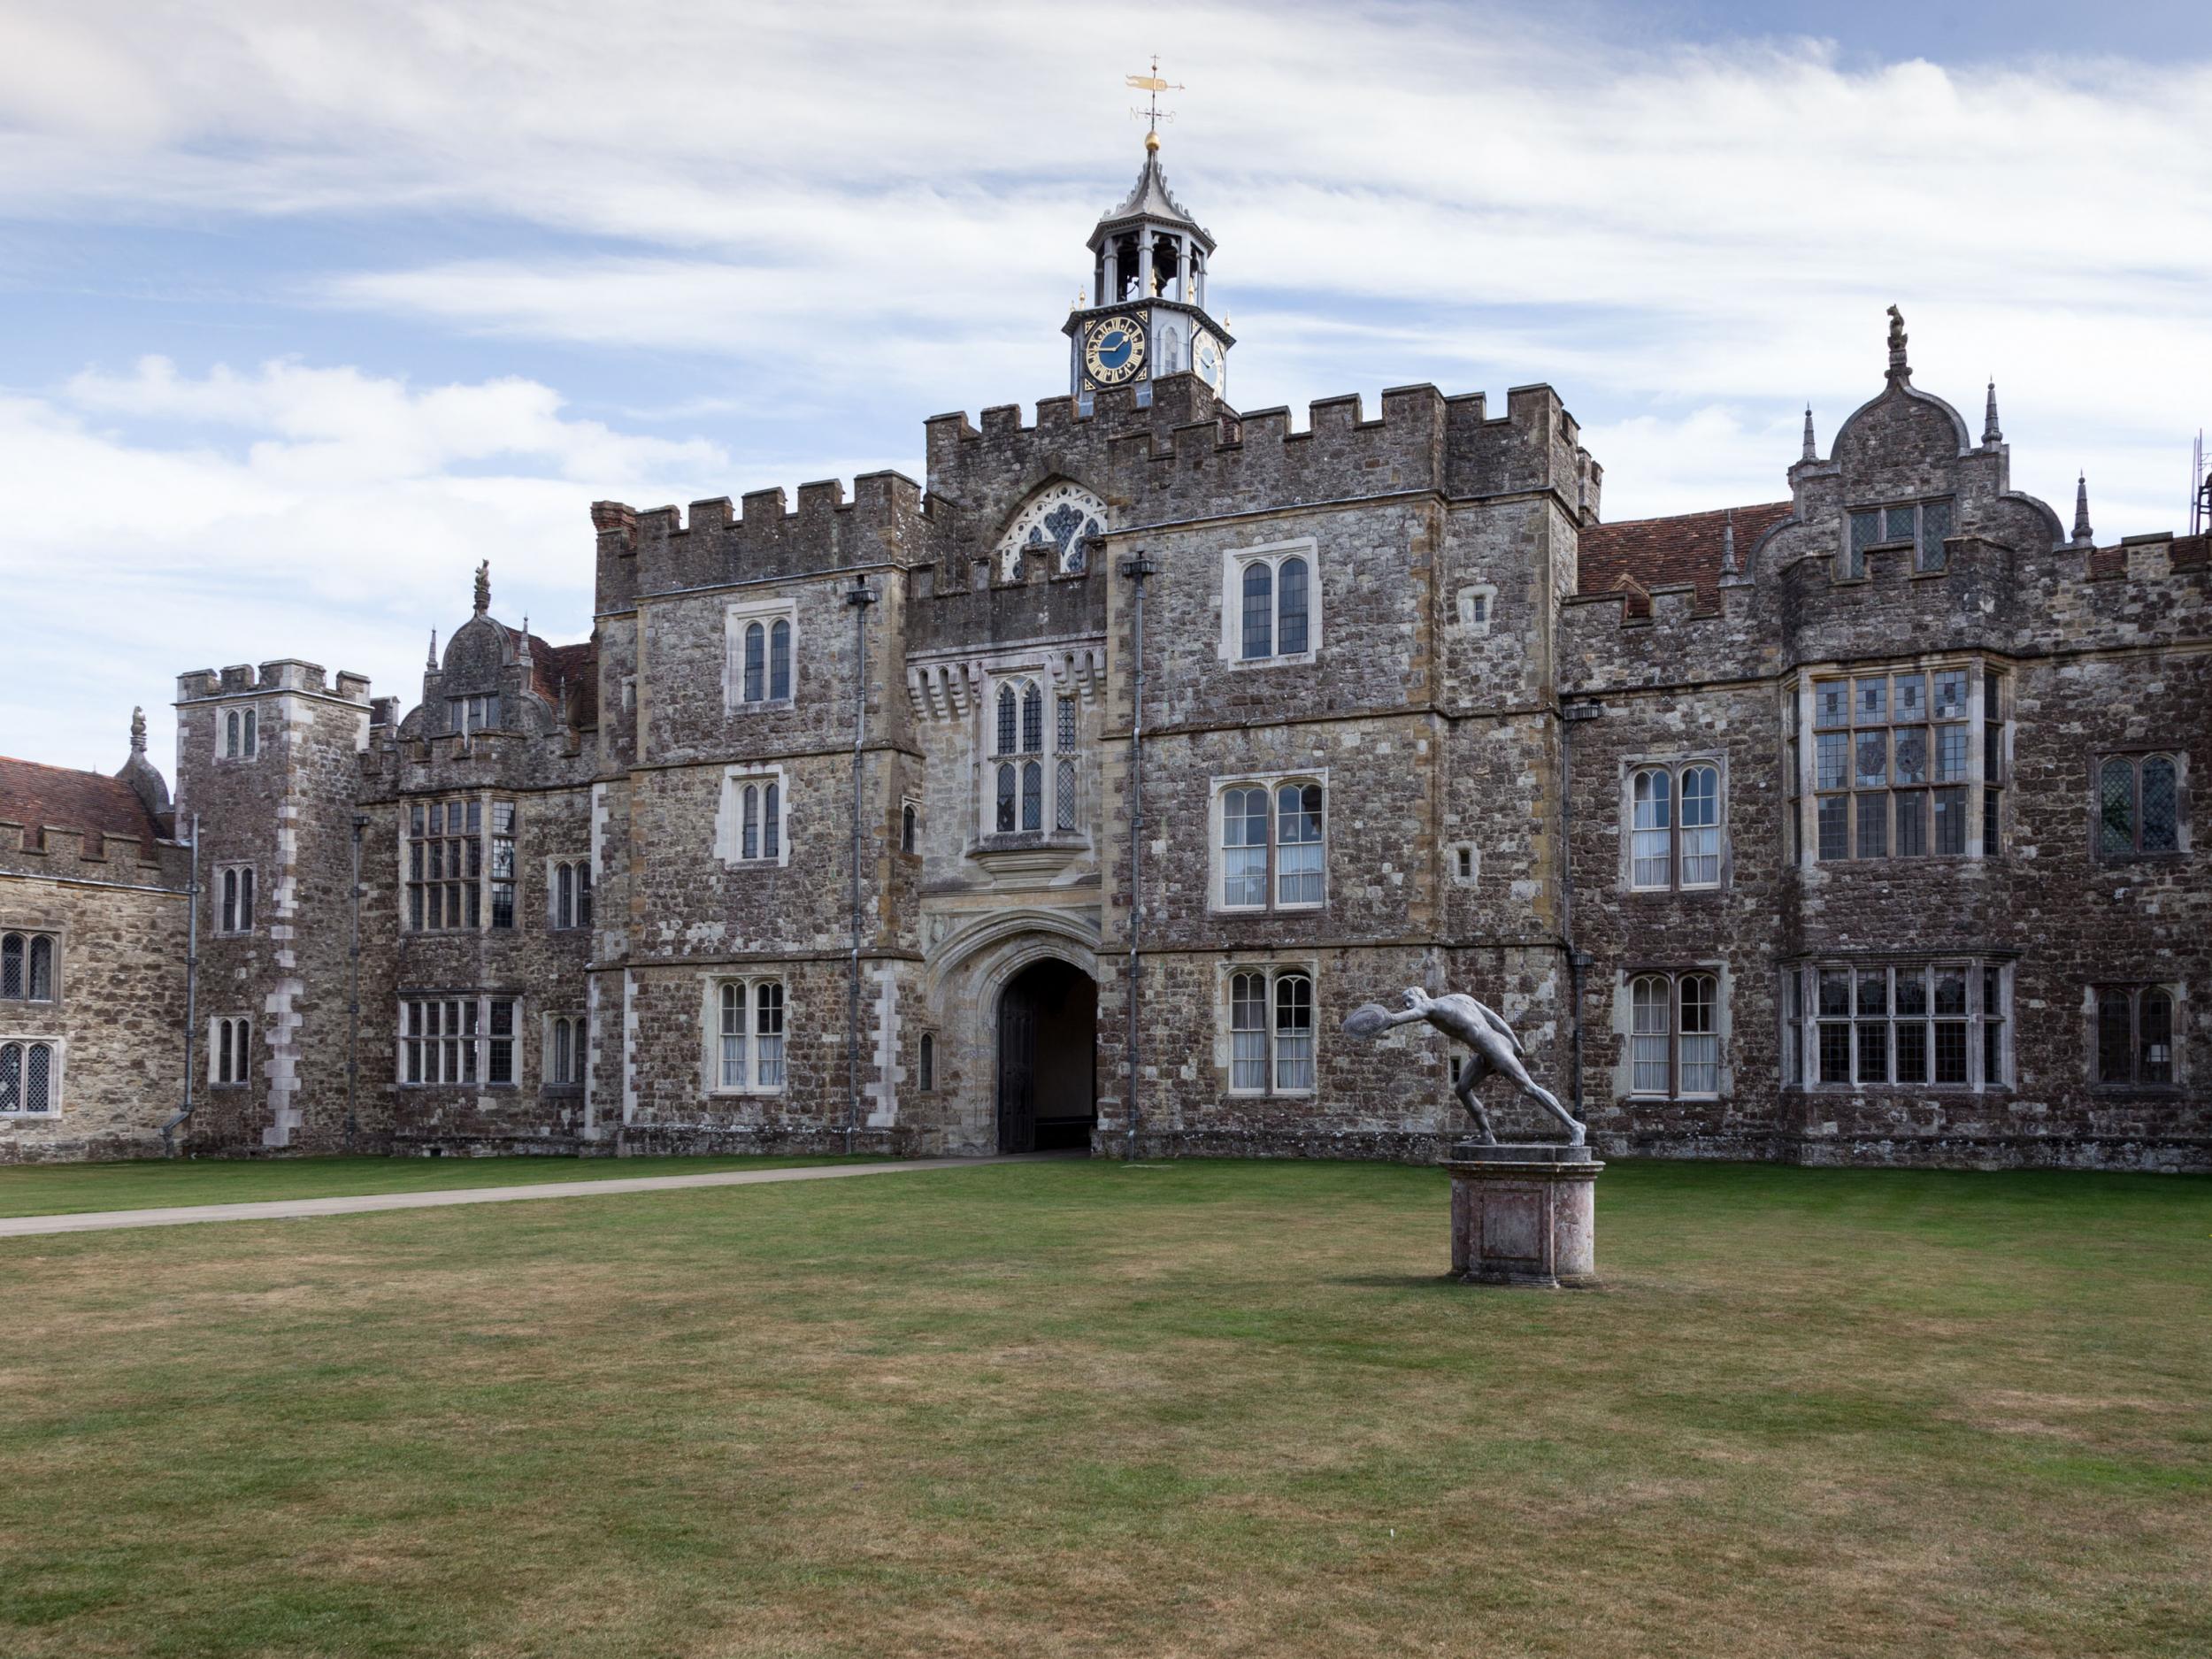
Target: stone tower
(1147, 316)
(267, 760)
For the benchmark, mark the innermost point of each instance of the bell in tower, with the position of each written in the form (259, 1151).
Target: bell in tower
(1147, 315)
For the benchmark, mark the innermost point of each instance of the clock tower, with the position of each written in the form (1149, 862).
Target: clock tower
(1147, 315)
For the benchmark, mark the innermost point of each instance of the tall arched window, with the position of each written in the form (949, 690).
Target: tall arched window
(1654, 846)
(1008, 704)
(1259, 611)
(564, 898)
(928, 1069)
(910, 824)
(1290, 581)
(1244, 848)
(1674, 1034)
(563, 1060)
(778, 660)
(1033, 718)
(732, 1067)
(1294, 1031)
(1033, 796)
(11, 953)
(231, 734)
(1298, 844)
(750, 845)
(28, 1078)
(756, 661)
(252, 735)
(771, 822)
(42, 986)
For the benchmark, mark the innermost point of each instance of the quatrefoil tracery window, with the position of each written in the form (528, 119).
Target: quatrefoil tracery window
(1054, 524)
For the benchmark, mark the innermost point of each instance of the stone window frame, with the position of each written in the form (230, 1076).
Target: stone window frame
(1989, 742)
(1851, 553)
(712, 1015)
(1675, 764)
(1464, 863)
(236, 1053)
(1272, 972)
(577, 868)
(550, 1078)
(471, 1046)
(57, 1072)
(1674, 977)
(1474, 607)
(1235, 563)
(910, 826)
(243, 743)
(2136, 755)
(1059, 772)
(2135, 990)
(729, 828)
(491, 895)
(737, 615)
(232, 896)
(27, 941)
(469, 712)
(1798, 1004)
(926, 1063)
(1216, 862)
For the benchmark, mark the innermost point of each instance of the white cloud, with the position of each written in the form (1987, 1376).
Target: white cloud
(880, 207)
(318, 513)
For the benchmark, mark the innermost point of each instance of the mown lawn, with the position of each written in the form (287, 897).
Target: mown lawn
(1081, 1409)
(57, 1189)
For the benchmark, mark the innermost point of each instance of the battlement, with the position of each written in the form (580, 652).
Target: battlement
(657, 550)
(283, 674)
(63, 852)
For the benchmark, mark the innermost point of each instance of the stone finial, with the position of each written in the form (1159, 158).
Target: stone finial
(431, 661)
(1728, 545)
(1991, 432)
(138, 730)
(483, 588)
(1812, 450)
(2084, 536)
(1898, 369)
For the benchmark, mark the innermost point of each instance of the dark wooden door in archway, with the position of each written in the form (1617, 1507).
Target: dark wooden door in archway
(1048, 1059)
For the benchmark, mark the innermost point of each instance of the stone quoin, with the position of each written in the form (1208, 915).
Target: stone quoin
(1853, 826)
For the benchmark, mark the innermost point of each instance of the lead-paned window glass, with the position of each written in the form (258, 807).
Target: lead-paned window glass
(2135, 1036)
(778, 661)
(27, 967)
(440, 1037)
(1895, 783)
(1921, 525)
(1259, 611)
(1912, 1024)
(445, 865)
(2138, 806)
(28, 1078)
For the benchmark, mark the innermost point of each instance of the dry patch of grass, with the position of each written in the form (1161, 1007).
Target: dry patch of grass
(1081, 1409)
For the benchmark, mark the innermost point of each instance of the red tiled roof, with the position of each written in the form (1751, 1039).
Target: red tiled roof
(37, 796)
(556, 669)
(1641, 554)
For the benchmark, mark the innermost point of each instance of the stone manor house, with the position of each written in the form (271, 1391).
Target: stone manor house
(1074, 796)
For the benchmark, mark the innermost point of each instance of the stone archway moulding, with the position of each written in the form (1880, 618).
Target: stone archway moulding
(1003, 944)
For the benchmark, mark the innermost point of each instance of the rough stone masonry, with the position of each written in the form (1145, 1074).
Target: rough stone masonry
(1853, 826)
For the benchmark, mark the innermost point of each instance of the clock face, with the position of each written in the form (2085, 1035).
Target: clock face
(1210, 360)
(1113, 350)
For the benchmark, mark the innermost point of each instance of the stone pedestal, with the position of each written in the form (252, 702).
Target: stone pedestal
(1524, 1215)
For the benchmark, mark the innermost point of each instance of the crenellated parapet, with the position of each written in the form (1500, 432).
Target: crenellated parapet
(766, 536)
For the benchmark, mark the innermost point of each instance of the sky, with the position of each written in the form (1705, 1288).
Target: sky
(308, 306)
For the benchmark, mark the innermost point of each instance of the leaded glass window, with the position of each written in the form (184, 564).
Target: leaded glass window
(2138, 806)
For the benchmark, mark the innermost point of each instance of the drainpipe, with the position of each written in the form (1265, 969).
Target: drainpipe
(1135, 570)
(1571, 715)
(859, 597)
(191, 992)
(353, 1002)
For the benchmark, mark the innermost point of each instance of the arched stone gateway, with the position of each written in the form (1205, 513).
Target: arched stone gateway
(1015, 996)
(1048, 1059)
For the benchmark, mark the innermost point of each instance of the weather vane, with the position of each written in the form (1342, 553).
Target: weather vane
(1152, 86)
